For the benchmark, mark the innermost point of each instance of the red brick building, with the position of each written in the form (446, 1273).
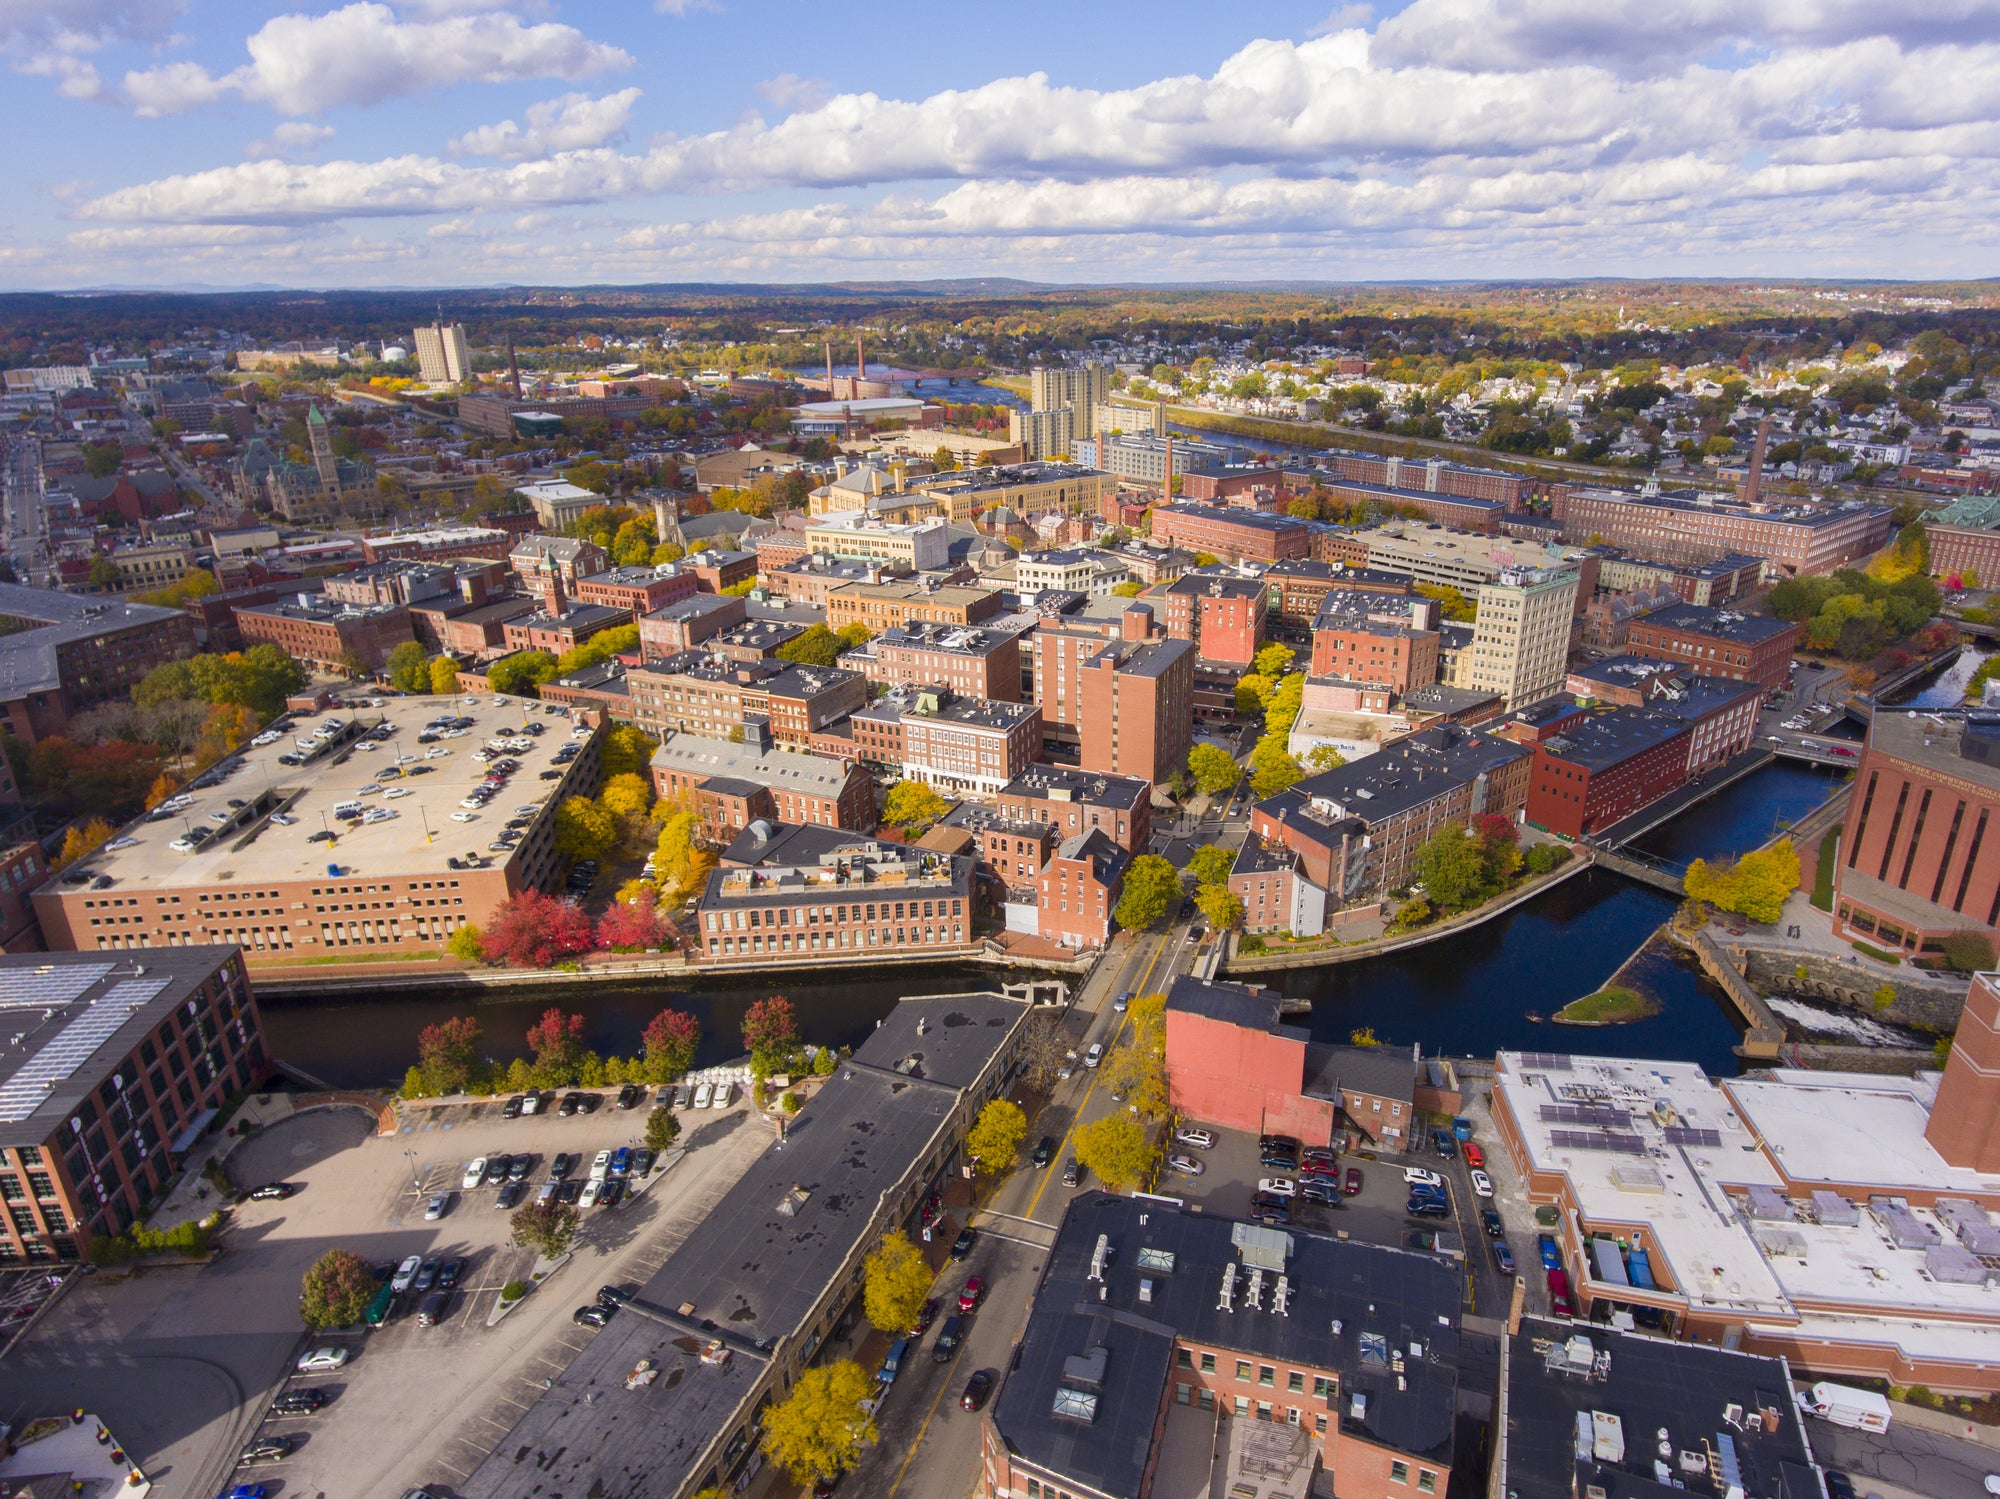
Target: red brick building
(1074, 801)
(965, 660)
(1302, 585)
(1964, 1125)
(1718, 643)
(886, 605)
(733, 784)
(1362, 637)
(1462, 512)
(326, 635)
(1606, 768)
(1233, 535)
(61, 655)
(441, 544)
(878, 899)
(685, 625)
(569, 558)
(1227, 483)
(1230, 1062)
(1919, 856)
(715, 570)
(956, 744)
(637, 590)
(1077, 890)
(696, 693)
(1222, 617)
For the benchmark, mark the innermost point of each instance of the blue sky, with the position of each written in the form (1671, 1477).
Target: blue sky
(452, 142)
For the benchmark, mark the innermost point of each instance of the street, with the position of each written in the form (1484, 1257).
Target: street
(1904, 1462)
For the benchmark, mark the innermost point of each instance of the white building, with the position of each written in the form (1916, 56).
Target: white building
(442, 357)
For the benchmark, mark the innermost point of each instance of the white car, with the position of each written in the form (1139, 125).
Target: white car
(473, 804)
(436, 752)
(475, 1173)
(377, 814)
(181, 846)
(1095, 1055)
(395, 791)
(406, 1273)
(1482, 1184)
(464, 817)
(1415, 1175)
(122, 843)
(371, 789)
(720, 1098)
(702, 1095)
(1278, 1186)
(600, 1166)
(591, 1189)
(269, 736)
(367, 744)
(323, 1360)
(1197, 1139)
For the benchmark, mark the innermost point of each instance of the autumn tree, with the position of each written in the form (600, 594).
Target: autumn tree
(1272, 769)
(770, 1033)
(911, 804)
(663, 1127)
(1117, 1148)
(80, 842)
(819, 1431)
(1324, 757)
(626, 751)
(630, 926)
(444, 675)
(1754, 886)
(548, 1228)
(447, 1053)
(1151, 886)
(1223, 909)
(1214, 770)
(585, 829)
(996, 1135)
(557, 1042)
(336, 1290)
(467, 944)
(533, 930)
(1137, 1071)
(1044, 1049)
(1210, 864)
(408, 669)
(1451, 863)
(895, 1283)
(671, 1039)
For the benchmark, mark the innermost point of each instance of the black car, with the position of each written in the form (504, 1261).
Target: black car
(613, 1294)
(510, 1195)
(950, 1335)
(1072, 1172)
(1427, 1207)
(450, 1273)
(1279, 1142)
(1312, 1189)
(1270, 1208)
(572, 1192)
(520, 1167)
(962, 1245)
(511, 1109)
(267, 1449)
(594, 1315)
(498, 1166)
(976, 1390)
(561, 1165)
(433, 1309)
(551, 775)
(1490, 1221)
(427, 1274)
(610, 1193)
(570, 1104)
(299, 1402)
(631, 1096)
(587, 1103)
(1045, 1149)
(272, 1192)
(1444, 1142)
(1838, 1485)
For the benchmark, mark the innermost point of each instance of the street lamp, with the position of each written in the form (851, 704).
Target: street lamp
(416, 1178)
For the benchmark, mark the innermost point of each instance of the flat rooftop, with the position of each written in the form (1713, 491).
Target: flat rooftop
(253, 848)
(1065, 783)
(1607, 739)
(1722, 624)
(1967, 746)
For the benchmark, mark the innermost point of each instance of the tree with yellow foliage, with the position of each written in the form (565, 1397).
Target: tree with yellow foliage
(81, 842)
(1754, 886)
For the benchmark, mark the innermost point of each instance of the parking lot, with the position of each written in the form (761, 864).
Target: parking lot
(182, 1363)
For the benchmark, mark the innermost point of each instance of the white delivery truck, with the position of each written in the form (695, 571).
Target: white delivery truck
(1846, 1406)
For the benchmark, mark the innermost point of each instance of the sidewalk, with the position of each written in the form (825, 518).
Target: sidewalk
(192, 1198)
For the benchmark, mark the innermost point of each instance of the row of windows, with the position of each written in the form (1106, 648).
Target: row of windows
(783, 942)
(814, 915)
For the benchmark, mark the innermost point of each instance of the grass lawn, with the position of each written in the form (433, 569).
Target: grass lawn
(1876, 953)
(1613, 1006)
(1822, 896)
(286, 960)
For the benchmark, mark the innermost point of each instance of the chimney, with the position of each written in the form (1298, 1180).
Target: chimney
(661, 518)
(829, 369)
(860, 364)
(1167, 484)
(1754, 484)
(1136, 623)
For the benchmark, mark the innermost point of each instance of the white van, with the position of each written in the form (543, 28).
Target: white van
(1843, 1405)
(347, 809)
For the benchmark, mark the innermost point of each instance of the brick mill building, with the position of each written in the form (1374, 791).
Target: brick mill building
(1718, 643)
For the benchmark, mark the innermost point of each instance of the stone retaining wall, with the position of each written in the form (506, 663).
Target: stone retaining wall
(1921, 1002)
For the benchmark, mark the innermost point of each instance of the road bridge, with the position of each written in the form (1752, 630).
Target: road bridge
(1641, 867)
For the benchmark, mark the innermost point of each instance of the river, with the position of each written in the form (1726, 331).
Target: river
(1469, 994)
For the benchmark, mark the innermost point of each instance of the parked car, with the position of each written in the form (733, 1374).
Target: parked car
(1352, 1185)
(592, 1189)
(1551, 1256)
(1482, 1184)
(497, 1168)
(1278, 1186)
(427, 1274)
(304, 1402)
(324, 1360)
(1474, 1156)
(1271, 1209)
(266, 1449)
(519, 1167)
(962, 1245)
(1123, 1002)
(450, 1273)
(975, 1288)
(701, 1094)
(271, 1192)
(631, 1096)
(594, 1315)
(1446, 1146)
(1490, 1221)
(950, 1335)
(927, 1313)
(433, 1309)
(475, 1173)
(600, 1167)
(621, 1160)
(1193, 1138)
(437, 1207)
(1072, 1172)
(1184, 1163)
(1278, 1160)
(1503, 1258)
(1427, 1207)
(1416, 1174)
(561, 1165)
(1317, 1189)
(1558, 1280)
(1094, 1055)
(613, 1190)
(510, 1195)
(1279, 1142)
(511, 1109)
(976, 1390)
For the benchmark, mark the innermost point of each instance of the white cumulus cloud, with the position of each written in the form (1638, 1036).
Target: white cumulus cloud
(290, 138)
(575, 122)
(364, 54)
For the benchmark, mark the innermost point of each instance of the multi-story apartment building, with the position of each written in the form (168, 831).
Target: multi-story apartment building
(732, 785)
(1377, 638)
(568, 558)
(223, 870)
(1151, 564)
(438, 544)
(1077, 890)
(1605, 768)
(1965, 540)
(717, 568)
(1712, 583)
(1091, 573)
(919, 546)
(684, 625)
(442, 355)
(116, 1067)
(1520, 638)
(1694, 527)
(1721, 713)
(1137, 708)
(1080, 388)
(1231, 534)
(62, 654)
(886, 605)
(1718, 643)
(1462, 512)
(636, 590)
(957, 744)
(325, 634)
(810, 579)
(879, 900)
(1222, 616)
(709, 695)
(562, 629)
(1459, 559)
(1043, 434)
(967, 660)
(1142, 458)
(1919, 857)
(1299, 587)
(1432, 476)
(1028, 489)
(1011, 852)
(1073, 801)
(1261, 1354)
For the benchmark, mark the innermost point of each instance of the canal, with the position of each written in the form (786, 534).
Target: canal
(1469, 994)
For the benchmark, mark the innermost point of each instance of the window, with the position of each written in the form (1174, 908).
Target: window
(1242, 1408)
(1427, 1481)
(1208, 1363)
(1266, 1375)
(1243, 1370)
(1184, 1358)
(1295, 1382)
(1399, 1472)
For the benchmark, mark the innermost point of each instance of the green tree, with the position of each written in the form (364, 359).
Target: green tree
(1452, 865)
(521, 674)
(336, 1290)
(910, 804)
(1118, 1149)
(1151, 886)
(996, 1135)
(1210, 864)
(1455, 606)
(818, 646)
(663, 1127)
(447, 1052)
(1223, 910)
(1969, 951)
(1272, 769)
(409, 671)
(895, 1284)
(819, 1431)
(548, 1228)
(626, 751)
(1214, 770)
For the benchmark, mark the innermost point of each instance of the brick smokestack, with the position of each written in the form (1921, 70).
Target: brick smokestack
(1167, 484)
(1753, 485)
(829, 369)
(860, 364)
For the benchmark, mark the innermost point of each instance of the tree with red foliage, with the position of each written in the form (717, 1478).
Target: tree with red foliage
(533, 930)
(1495, 829)
(64, 778)
(446, 1052)
(557, 1042)
(770, 1032)
(630, 926)
(671, 1040)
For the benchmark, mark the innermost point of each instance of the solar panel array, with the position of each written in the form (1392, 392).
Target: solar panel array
(1544, 1061)
(75, 1044)
(1599, 1116)
(1577, 1139)
(40, 988)
(1682, 1134)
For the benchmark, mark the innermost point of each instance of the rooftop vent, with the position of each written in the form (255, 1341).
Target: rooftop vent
(793, 1201)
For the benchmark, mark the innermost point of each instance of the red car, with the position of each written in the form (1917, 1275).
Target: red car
(1474, 1156)
(975, 1288)
(1353, 1184)
(1559, 1293)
